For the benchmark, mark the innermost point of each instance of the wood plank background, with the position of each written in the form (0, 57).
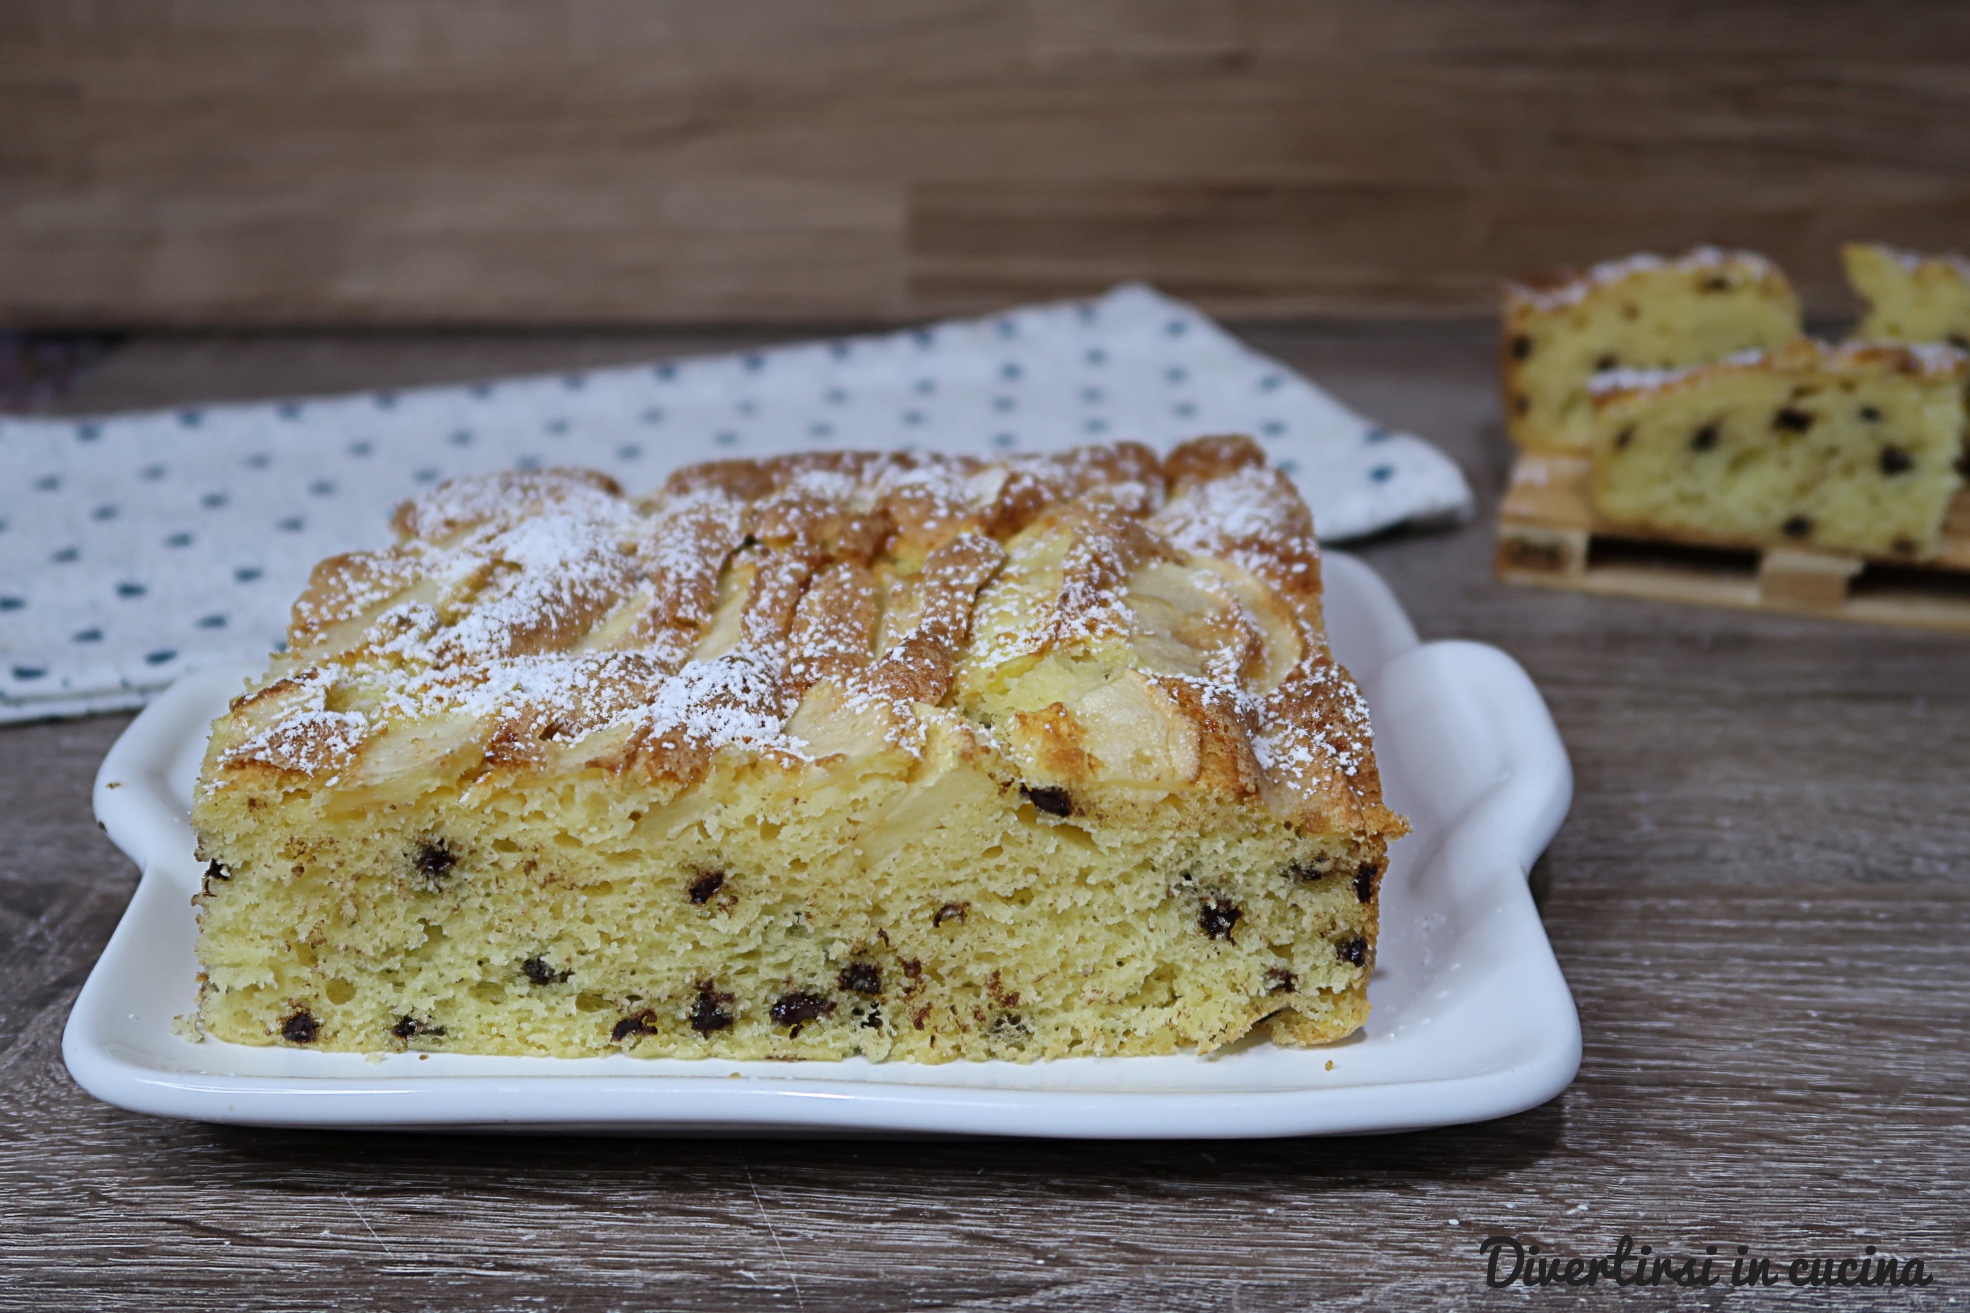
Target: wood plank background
(625, 162)
(1761, 900)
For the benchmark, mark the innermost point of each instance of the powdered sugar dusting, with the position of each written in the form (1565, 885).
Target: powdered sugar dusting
(1574, 290)
(543, 621)
(1930, 358)
(1913, 261)
(1238, 506)
(1252, 518)
(730, 702)
(1642, 380)
(1089, 606)
(1938, 357)
(307, 737)
(552, 574)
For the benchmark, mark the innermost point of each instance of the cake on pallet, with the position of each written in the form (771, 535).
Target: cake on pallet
(1849, 449)
(905, 756)
(1910, 297)
(1643, 312)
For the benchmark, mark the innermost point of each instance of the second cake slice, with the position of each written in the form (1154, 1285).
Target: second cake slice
(1847, 449)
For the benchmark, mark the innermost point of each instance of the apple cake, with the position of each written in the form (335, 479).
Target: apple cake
(1643, 312)
(908, 756)
(1851, 449)
(1910, 297)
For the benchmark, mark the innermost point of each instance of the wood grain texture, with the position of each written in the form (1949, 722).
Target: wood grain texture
(215, 162)
(1759, 899)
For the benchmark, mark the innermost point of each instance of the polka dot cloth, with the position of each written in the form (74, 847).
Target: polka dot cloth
(134, 548)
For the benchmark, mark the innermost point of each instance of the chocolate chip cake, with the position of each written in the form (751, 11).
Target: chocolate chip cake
(1643, 312)
(1851, 449)
(907, 756)
(1910, 297)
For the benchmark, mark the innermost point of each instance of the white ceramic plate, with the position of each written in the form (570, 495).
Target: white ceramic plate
(1471, 1020)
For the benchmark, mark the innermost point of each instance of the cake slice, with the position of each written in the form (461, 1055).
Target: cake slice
(1848, 449)
(1909, 297)
(905, 756)
(1643, 312)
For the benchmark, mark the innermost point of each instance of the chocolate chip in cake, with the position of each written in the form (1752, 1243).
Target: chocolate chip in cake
(1623, 438)
(1216, 917)
(1278, 980)
(1797, 526)
(708, 1010)
(1354, 951)
(643, 1023)
(539, 972)
(214, 871)
(1606, 360)
(301, 1028)
(958, 912)
(1704, 438)
(797, 1009)
(1870, 413)
(1364, 882)
(1051, 799)
(706, 885)
(861, 978)
(409, 1027)
(1521, 347)
(874, 1020)
(1895, 461)
(1005, 998)
(1792, 419)
(434, 859)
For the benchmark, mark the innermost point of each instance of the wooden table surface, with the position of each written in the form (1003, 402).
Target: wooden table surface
(1759, 898)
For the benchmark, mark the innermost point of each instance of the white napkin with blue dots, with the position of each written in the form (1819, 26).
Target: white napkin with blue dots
(136, 548)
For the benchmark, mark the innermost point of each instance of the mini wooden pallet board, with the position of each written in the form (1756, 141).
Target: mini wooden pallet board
(1549, 535)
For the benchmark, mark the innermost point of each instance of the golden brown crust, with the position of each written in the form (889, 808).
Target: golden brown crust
(503, 499)
(691, 543)
(1226, 502)
(834, 630)
(930, 622)
(526, 620)
(1804, 356)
